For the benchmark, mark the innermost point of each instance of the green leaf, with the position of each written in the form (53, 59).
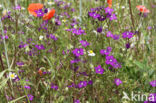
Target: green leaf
(139, 64)
(15, 100)
(3, 83)
(2, 73)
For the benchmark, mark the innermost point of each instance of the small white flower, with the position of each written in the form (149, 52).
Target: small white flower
(91, 53)
(66, 89)
(41, 37)
(12, 75)
(27, 49)
(122, 7)
(50, 3)
(76, 17)
(64, 20)
(22, 8)
(94, 31)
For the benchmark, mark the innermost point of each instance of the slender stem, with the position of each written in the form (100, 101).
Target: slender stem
(130, 8)
(80, 8)
(1, 62)
(5, 47)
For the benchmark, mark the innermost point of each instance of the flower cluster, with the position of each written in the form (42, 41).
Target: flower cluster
(110, 60)
(106, 51)
(52, 36)
(36, 9)
(77, 31)
(55, 87)
(127, 34)
(113, 36)
(81, 84)
(97, 13)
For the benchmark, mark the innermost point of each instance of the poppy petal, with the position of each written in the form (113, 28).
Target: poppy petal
(109, 3)
(33, 7)
(142, 8)
(33, 13)
(49, 15)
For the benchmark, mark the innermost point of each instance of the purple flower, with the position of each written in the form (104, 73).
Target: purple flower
(106, 52)
(101, 18)
(45, 10)
(57, 22)
(153, 83)
(116, 65)
(40, 47)
(5, 31)
(117, 81)
(127, 34)
(84, 43)
(4, 37)
(110, 60)
(72, 85)
(73, 10)
(27, 87)
(49, 50)
(99, 69)
(18, 7)
(149, 27)
(77, 101)
(39, 13)
(31, 97)
(83, 73)
(92, 9)
(108, 10)
(82, 84)
(53, 37)
(78, 31)
(112, 17)
(20, 63)
(109, 49)
(116, 37)
(109, 34)
(151, 98)
(78, 52)
(128, 45)
(75, 61)
(22, 45)
(54, 86)
(99, 30)
(94, 15)
(90, 82)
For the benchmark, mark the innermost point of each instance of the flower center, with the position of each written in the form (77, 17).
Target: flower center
(12, 75)
(90, 51)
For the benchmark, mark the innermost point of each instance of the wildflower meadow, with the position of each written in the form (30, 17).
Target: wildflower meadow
(77, 51)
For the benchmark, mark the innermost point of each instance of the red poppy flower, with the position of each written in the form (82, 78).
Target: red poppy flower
(34, 7)
(49, 15)
(142, 9)
(109, 3)
(40, 72)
